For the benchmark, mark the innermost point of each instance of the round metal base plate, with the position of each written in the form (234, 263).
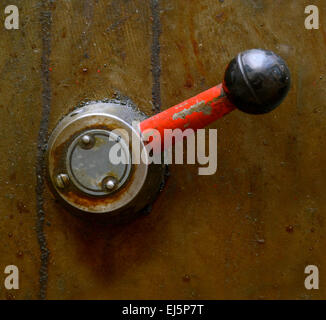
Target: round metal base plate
(80, 167)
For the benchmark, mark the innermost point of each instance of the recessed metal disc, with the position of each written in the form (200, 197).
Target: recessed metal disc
(96, 156)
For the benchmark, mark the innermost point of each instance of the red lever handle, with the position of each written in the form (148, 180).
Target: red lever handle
(195, 113)
(256, 81)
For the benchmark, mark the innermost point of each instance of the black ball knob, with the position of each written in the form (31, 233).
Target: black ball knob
(256, 81)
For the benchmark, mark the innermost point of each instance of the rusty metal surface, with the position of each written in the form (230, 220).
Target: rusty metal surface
(246, 232)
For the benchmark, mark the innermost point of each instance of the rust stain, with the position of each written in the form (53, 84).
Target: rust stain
(92, 202)
(21, 207)
(189, 81)
(194, 42)
(324, 34)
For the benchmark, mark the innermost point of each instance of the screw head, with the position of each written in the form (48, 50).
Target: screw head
(62, 180)
(110, 183)
(87, 141)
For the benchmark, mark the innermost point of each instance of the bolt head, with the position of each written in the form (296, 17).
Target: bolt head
(110, 183)
(87, 141)
(62, 181)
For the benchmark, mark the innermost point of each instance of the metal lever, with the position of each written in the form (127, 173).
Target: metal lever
(256, 82)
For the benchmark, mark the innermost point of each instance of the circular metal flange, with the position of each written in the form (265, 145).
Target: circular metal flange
(81, 172)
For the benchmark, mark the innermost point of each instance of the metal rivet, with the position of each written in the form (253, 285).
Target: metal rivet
(87, 141)
(62, 180)
(110, 183)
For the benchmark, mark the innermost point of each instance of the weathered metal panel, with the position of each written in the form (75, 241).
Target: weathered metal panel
(246, 232)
